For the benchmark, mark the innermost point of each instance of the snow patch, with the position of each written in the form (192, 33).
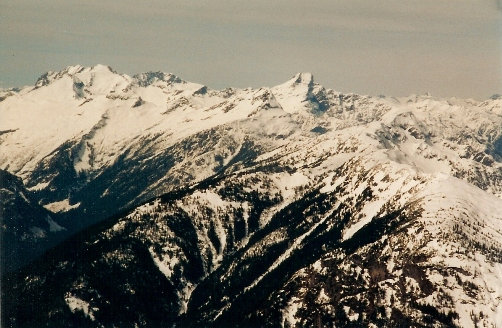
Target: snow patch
(289, 312)
(39, 186)
(76, 304)
(287, 183)
(61, 206)
(165, 266)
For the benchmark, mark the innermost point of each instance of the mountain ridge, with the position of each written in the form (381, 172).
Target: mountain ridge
(282, 206)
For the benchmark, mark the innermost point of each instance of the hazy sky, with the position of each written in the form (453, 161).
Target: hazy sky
(392, 47)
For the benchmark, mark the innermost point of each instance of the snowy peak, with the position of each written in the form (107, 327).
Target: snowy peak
(102, 68)
(102, 79)
(302, 78)
(313, 97)
(51, 76)
(84, 81)
(303, 81)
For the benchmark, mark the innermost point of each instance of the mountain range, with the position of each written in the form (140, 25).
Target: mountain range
(149, 201)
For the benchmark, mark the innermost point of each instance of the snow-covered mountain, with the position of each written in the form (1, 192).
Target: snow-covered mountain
(283, 206)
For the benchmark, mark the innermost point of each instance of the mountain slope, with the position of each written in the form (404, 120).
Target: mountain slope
(26, 226)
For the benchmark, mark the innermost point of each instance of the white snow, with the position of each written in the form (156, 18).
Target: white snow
(166, 265)
(212, 198)
(292, 94)
(400, 186)
(39, 186)
(77, 304)
(289, 312)
(288, 182)
(290, 250)
(61, 206)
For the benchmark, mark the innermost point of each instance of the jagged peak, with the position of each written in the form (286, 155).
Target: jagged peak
(302, 78)
(313, 97)
(148, 78)
(302, 82)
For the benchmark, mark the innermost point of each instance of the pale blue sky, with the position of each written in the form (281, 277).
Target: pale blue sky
(392, 47)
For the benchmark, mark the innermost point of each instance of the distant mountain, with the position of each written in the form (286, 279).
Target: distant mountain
(288, 206)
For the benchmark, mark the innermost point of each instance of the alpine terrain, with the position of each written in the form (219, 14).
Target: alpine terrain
(149, 201)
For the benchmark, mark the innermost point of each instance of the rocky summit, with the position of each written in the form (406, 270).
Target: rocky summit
(149, 201)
